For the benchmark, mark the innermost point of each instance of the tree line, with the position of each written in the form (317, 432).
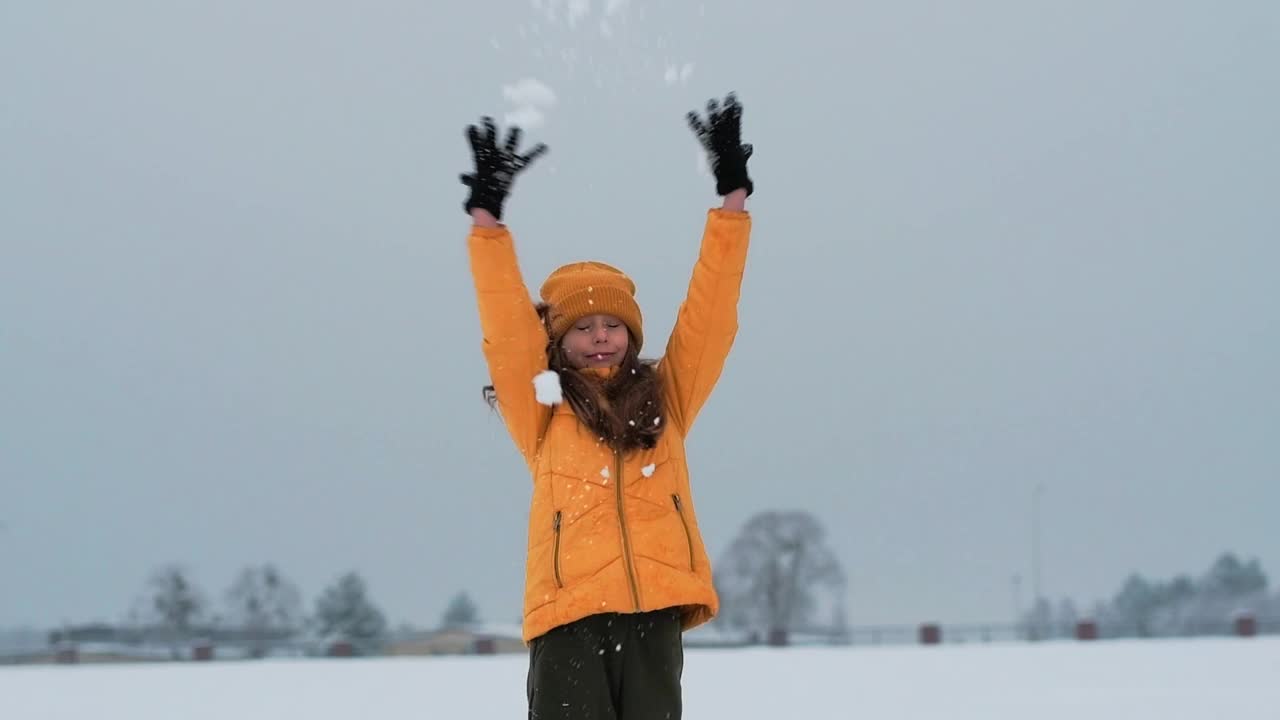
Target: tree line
(261, 609)
(778, 577)
(1180, 606)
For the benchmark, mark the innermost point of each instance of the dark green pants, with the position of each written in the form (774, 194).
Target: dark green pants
(619, 666)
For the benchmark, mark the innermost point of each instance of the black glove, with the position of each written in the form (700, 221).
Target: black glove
(496, 167)
(722, 138)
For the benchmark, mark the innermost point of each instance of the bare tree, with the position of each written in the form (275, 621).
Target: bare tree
(776, 572)
(174, 604)
(265, 605)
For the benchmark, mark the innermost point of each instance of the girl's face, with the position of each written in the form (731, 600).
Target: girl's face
(596, 341)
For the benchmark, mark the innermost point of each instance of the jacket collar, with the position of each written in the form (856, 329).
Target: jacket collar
(602, 373)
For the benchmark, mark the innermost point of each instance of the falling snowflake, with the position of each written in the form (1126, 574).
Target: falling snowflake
(604, 471)
(531, 98)
(679, 75)
(647, 470)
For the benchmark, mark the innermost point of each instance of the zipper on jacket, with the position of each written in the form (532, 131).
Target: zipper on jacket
(556, 552)
(687, 534)
(626, 538)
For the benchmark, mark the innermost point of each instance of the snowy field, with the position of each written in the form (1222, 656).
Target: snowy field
(1157, 679)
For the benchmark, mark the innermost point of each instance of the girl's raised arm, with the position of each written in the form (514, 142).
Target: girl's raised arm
(707, 323)
(514, 338)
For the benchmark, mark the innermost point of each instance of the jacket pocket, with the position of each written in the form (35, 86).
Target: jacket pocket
(688, 536)
(555, 552)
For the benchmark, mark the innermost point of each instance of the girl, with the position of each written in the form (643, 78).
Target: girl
(616, 568)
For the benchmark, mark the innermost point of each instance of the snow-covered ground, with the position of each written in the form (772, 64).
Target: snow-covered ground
(1127, 680)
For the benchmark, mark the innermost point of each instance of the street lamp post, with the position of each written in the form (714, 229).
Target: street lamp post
(1035, 540)
(1015, 583)
(1036, 588)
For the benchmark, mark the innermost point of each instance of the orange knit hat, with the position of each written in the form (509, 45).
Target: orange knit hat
(588, 288)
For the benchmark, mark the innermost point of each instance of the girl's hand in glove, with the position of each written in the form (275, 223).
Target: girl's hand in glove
(721, 136)
(496, 167)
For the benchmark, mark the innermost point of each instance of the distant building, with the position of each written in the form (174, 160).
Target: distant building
(469, 640)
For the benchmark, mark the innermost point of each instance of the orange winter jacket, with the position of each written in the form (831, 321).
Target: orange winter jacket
(610, 532)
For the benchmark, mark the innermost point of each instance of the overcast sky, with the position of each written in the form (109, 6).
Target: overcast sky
(996, 244)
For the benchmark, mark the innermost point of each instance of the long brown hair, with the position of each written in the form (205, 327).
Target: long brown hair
(625, 410)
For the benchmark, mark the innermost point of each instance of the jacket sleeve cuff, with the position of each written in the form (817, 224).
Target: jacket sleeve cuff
(725, 241)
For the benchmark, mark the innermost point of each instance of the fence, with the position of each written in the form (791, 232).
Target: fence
(979, 633)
